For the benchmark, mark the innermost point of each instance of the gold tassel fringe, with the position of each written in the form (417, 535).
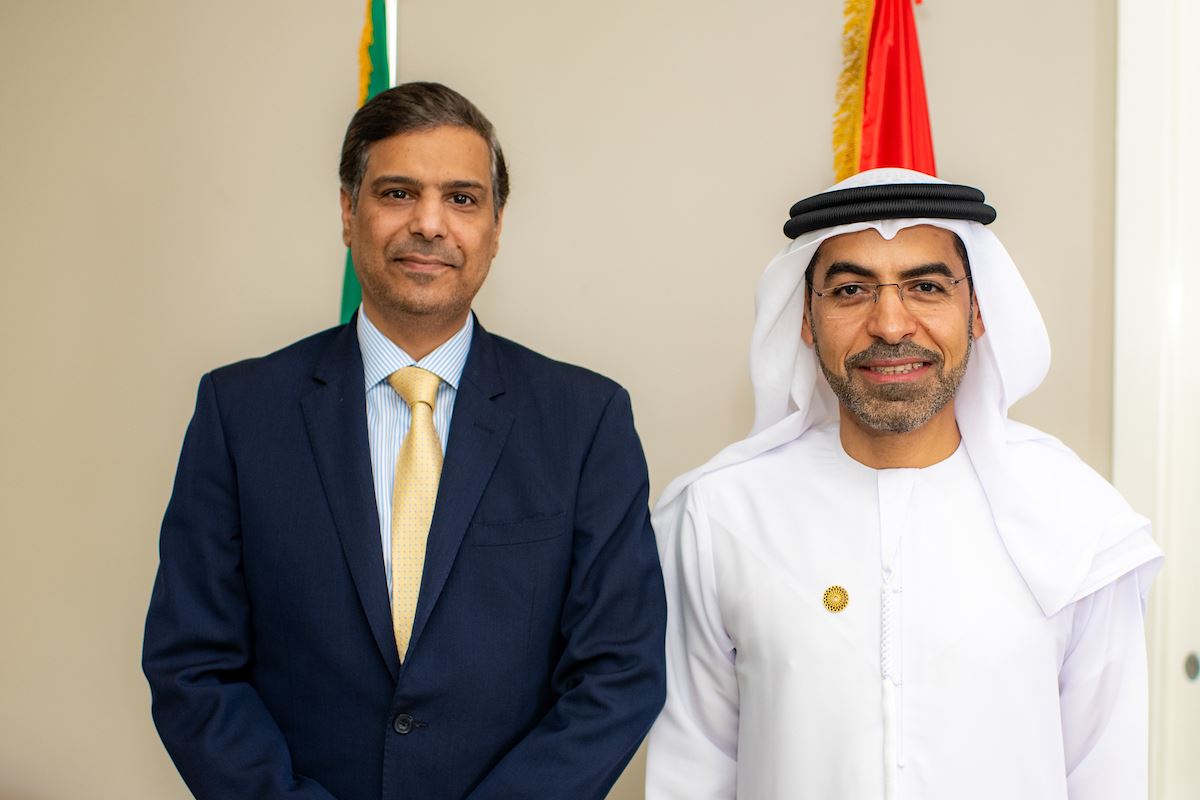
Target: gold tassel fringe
(847, 119)
(364, 57)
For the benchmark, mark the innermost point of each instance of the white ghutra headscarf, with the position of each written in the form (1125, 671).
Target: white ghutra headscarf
(1066, 529)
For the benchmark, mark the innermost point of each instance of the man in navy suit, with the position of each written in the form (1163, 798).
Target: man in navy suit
(534, 664)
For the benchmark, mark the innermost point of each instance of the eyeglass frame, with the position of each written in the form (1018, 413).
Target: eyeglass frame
(876, 294)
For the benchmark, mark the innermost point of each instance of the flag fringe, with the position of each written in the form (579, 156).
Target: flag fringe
(847, 119)
(364, 56)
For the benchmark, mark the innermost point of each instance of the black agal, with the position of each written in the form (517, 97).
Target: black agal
(888, 201)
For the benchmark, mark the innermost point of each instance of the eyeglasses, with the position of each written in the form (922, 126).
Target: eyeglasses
(927, 295)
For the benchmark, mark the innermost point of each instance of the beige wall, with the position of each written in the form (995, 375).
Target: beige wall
(168, 203)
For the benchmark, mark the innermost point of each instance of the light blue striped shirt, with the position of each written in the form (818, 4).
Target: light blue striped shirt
(388, 416)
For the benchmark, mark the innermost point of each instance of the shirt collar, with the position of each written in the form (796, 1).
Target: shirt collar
(381, 356)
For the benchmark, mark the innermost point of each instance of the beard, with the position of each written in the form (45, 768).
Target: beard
(415, 295)
(895, 407)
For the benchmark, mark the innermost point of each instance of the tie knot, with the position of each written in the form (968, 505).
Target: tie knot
(415, 385)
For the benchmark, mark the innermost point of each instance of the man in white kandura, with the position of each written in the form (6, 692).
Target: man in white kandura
(891, 590)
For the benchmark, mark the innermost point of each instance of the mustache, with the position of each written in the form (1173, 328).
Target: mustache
(880, 350)
(426, 249)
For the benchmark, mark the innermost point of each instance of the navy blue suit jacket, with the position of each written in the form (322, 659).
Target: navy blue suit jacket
(536, 662)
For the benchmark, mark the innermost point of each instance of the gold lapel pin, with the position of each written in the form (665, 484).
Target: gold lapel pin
(835, 599)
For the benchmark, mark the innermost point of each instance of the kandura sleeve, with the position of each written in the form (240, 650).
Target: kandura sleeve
(693, 745)
(1103, 694)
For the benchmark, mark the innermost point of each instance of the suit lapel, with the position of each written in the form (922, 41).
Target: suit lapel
(335, 415)
(478, 430)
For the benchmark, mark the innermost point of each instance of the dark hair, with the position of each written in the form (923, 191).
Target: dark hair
(409, 107)
(958, 245)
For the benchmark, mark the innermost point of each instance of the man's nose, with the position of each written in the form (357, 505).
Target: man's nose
(889, 320)
(429, 218)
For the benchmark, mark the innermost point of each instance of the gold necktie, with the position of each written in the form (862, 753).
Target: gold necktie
(414, 492)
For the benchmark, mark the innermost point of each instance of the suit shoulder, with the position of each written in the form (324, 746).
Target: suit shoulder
(267, 384)
(293, 361)
(548, 374)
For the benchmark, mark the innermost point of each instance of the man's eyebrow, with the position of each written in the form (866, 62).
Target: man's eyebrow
(404, 180)
(395, 180)
(933, 268)
(847, 268)
(463, 184)
(859, 271)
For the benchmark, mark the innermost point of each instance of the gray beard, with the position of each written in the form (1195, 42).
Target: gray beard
(895, 407)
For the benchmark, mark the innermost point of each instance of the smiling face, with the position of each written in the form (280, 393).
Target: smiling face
(423, 232)
(894, 365)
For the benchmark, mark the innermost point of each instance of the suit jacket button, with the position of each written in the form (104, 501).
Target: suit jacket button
(402, 724)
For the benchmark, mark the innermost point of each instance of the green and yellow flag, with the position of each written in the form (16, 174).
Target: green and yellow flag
(376, 59)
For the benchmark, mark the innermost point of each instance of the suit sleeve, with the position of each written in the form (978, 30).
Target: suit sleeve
(1103, 694)
(197, 649)
(693, 745)
(610, 680)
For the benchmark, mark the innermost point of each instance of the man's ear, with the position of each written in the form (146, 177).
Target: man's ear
(805, 326)
(499, 229)
(977, 326)
(347, 214)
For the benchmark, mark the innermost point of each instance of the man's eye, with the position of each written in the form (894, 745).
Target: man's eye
(926, 287)
(461, 199)
(849, 290)
(397, 194)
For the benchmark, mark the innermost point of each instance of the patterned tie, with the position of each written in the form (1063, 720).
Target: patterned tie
(414, 492)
